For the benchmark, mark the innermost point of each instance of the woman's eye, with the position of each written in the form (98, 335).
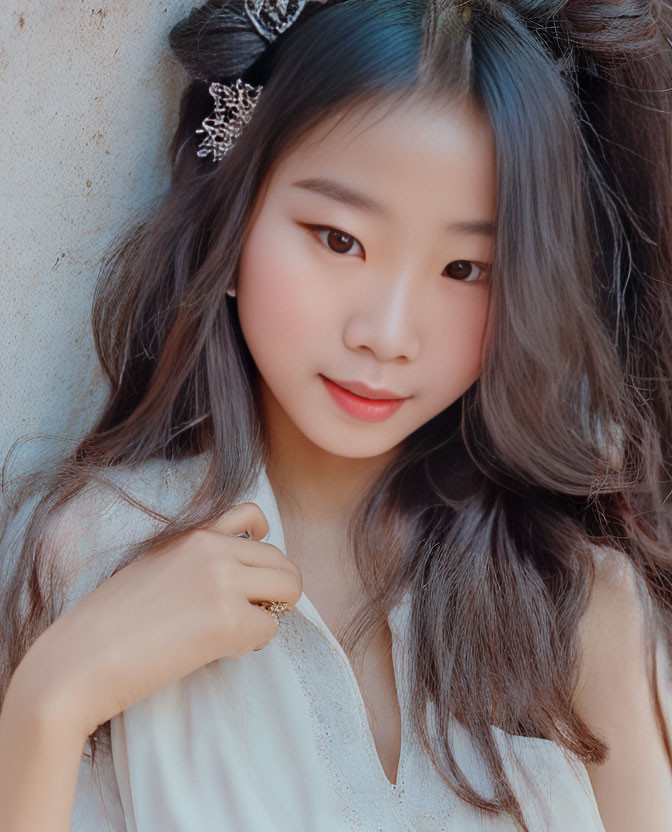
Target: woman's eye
(336, 241)
(466, 271)
(339, 242)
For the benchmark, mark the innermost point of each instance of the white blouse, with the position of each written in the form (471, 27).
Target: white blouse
(279, 739)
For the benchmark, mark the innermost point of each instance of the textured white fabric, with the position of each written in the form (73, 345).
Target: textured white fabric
(279, 739)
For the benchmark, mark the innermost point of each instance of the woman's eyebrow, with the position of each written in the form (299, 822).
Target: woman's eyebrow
(345, 194)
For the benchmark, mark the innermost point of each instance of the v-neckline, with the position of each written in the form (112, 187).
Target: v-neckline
(309, 611)
(306, 607)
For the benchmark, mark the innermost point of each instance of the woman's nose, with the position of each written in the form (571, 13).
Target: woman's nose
(386, 319)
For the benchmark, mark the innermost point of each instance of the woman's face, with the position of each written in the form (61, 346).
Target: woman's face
(366, 260)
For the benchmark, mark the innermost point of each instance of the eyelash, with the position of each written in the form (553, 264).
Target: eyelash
(484, 267)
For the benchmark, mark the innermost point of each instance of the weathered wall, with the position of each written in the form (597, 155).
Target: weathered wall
(89, 102)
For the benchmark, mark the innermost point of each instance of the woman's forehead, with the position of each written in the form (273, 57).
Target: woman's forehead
(411, 119)
(415, 150)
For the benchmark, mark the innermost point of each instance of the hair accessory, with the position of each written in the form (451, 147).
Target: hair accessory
(235, 102)
(234, 105)
(272, 17)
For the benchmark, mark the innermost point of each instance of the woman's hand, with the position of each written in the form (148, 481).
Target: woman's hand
(182, 605)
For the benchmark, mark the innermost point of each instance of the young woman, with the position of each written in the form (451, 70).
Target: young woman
(403, 321)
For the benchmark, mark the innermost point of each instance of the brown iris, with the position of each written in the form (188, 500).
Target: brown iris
(461, 270)
(339, 241)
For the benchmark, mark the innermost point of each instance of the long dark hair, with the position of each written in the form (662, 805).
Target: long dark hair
(493, 512)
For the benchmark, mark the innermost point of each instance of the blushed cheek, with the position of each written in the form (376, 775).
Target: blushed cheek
(274, 316)
(462, 348)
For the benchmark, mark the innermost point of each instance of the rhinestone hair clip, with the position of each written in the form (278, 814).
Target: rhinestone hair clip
(235, 102)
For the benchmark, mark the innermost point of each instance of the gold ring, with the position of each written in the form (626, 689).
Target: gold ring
(276, 608)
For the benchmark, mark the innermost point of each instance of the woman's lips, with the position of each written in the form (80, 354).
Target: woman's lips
(366, 392)
(369, 410)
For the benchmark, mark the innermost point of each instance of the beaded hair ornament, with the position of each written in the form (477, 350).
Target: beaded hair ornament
(235, 102)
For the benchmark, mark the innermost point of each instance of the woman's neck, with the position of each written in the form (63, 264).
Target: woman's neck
(313, 488)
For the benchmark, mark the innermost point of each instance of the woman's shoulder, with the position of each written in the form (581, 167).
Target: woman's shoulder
(123, 494)
(159, 482)
(618, 634)
(617, 587)
(619, 608)
(90, 532)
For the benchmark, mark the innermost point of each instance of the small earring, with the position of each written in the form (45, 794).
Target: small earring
(231, 293)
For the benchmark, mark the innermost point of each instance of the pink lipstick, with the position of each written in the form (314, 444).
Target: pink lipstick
(367, 409)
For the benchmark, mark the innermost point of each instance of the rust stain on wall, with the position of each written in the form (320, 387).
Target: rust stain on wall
(101, 14)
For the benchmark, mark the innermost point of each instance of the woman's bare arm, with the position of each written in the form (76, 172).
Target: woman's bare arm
(633, 788)
(180, 606)
(41, 745)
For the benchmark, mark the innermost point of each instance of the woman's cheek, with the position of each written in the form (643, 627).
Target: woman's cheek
(459, 359)
(276, 306)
